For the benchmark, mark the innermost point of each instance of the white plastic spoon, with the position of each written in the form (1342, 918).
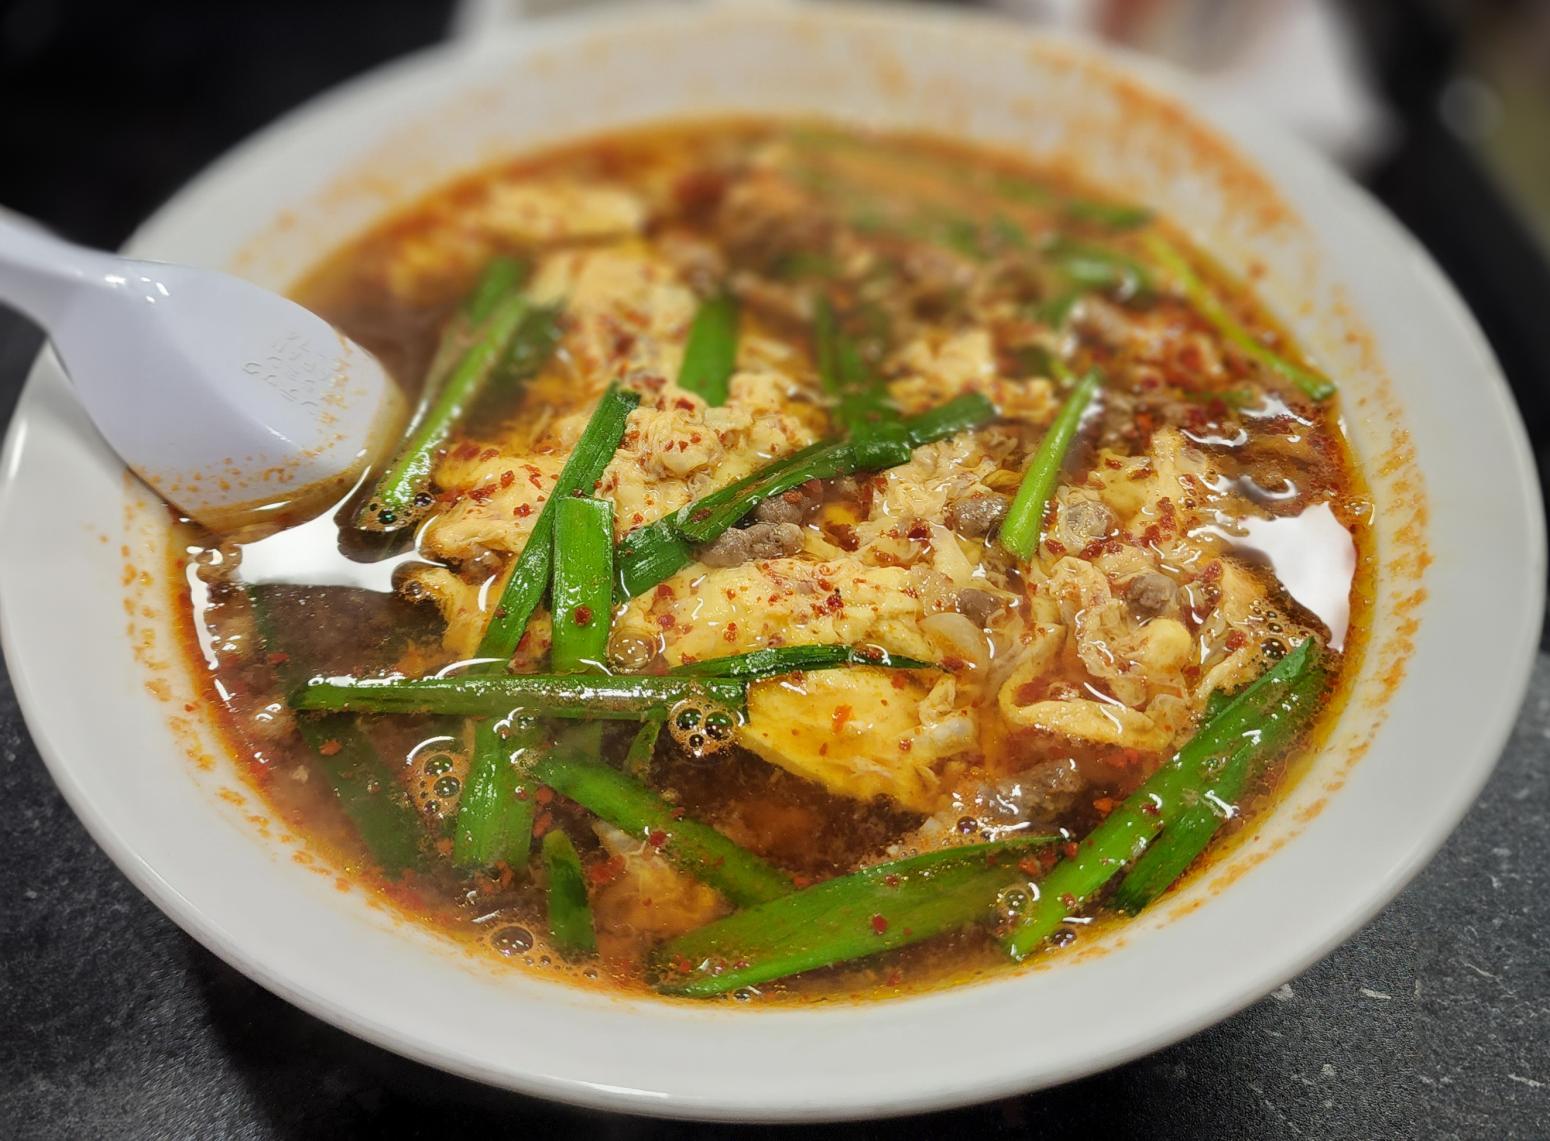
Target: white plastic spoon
(229, 400)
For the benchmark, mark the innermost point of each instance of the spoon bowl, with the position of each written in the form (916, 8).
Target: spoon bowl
(235, 404)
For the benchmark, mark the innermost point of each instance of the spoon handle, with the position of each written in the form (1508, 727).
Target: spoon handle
(39, 273)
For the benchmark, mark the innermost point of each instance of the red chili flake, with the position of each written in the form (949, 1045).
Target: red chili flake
(522, 510)
(1103, 805)
(919, 529)
(879, 924)
(543, 824)
(1235, 639)
(467, 450)
(1149, 807)
(1070, 849)
(953, 664)
(666, 621)
(834, 602)
(842, 714)
(845, 537)
(1068, 900)
(1056, 547)
(891, 880)
(899, 681)
(665, 592)
(330, 748)
(508, 477)
(581, 616)
(905, 744)
(480, 494)
(1030, 866)
(544, 795)
(730, 633)
(657, 838)
(1211, 573)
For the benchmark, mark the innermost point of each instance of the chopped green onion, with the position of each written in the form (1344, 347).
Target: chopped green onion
(1186, 833)
(1126, 831)
(1094, 267)
(621, 698)
(1024, 524)
(583, 584)
(532, 345)
(775, 660)
(643, 747)
(710, 357)
(635, 809)
(495, 813)
(1204, 299)
(364, 786)
(877, 909)
(650, 554)
(1114, 215)
(860, 396)
(493, 315)
(529, 576)
(570, 915)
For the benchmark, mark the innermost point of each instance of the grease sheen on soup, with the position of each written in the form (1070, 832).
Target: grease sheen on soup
(1205, 522)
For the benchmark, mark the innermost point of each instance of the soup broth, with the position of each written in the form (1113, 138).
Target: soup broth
(1048, 537)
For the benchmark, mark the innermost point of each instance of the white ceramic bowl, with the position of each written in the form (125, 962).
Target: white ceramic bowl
(1457, 614)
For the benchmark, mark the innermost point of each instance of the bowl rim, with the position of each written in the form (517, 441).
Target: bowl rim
(1494, 725)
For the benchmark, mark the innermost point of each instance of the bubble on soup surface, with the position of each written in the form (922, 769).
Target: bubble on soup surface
(511, 940)
(700, 727)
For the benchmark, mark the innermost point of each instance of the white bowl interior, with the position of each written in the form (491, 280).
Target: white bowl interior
(1419, 387)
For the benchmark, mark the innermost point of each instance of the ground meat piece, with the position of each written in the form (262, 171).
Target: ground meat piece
(1083, 522)
(978, 515)
(1049, 789)
(1150, 594)
(765, 216)
(745, 544)
(978, 606)
(792, 507)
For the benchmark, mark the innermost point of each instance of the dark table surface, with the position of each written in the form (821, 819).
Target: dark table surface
(1433, 1021)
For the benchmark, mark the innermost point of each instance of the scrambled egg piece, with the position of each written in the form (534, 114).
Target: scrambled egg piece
(650, 898)
(518, 214)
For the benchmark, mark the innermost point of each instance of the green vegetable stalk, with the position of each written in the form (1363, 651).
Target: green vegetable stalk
(1189, 831)
(651, 554)
(1204, 299)
(710, 356)
(1024, 524)
(583, 584)
(775, 660)
(361, 782)
(1126, 832)
(633, 808)
(529, 576)
(625, 697)
(877, 909)
(570, 915)
(475, 343)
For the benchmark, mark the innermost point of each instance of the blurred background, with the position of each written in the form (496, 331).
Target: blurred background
(120, 1026)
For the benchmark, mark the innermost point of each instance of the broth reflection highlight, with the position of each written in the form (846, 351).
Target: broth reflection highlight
(822, 565)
